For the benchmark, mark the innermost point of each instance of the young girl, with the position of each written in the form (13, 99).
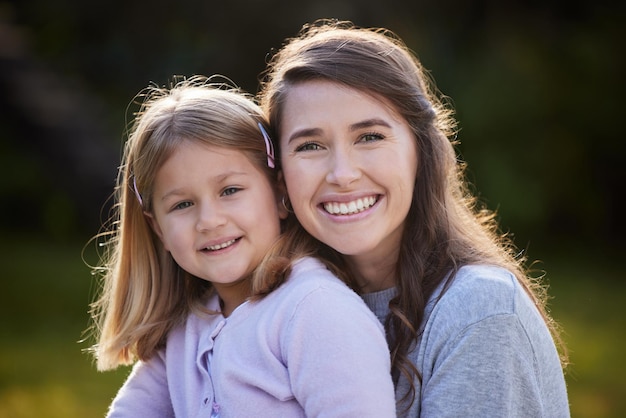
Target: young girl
(371, 172)
(197, 211)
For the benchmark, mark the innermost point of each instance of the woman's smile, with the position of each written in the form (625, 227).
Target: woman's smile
(350, 208)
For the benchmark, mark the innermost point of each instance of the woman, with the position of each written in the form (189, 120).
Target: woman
(365, 150)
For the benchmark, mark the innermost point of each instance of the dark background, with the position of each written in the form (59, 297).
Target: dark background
(538, 87)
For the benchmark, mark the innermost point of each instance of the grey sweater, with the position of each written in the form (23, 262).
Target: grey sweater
(484, 351)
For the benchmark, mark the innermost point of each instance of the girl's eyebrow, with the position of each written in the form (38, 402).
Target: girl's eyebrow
(217, 179)
(172, 193)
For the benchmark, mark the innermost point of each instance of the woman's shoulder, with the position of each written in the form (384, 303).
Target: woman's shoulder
(311, 273)
(308, 265)
(312, 282)
(477, 292)
(484, 282)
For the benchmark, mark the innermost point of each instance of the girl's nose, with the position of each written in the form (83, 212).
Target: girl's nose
(210, 216)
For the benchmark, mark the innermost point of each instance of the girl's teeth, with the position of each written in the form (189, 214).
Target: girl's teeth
(349, 208)
(220, 246)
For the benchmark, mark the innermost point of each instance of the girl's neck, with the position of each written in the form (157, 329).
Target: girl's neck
(232, 295)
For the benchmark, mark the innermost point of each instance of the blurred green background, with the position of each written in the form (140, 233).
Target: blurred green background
(538, 87)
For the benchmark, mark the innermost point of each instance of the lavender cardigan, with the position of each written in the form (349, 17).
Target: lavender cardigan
(310, 348)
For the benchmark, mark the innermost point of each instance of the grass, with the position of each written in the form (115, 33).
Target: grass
(44, 371)
(47, 376)
(43, 312)
(588, 302)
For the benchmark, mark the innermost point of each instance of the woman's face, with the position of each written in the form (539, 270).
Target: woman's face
(349, 161)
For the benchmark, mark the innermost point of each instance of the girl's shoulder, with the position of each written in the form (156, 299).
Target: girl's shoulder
(197, 325)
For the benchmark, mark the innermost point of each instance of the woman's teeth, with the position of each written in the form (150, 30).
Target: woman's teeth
(349, 208)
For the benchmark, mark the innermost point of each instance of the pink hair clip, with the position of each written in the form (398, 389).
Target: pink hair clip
(269, 147)
(137, 191)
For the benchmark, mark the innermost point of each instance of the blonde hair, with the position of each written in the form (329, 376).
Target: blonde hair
(145, 293)
(446, 228)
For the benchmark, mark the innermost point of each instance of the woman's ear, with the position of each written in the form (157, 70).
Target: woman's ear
(282, 197)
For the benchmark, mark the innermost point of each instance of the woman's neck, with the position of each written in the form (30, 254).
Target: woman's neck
(373, 275)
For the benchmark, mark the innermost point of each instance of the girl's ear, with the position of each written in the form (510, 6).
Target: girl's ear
(155, 226)
(281, 196)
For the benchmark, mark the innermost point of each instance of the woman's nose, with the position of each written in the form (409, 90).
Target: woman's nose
(343, 170)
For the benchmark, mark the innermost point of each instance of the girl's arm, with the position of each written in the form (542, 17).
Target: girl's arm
(145, 393)
(337, 357)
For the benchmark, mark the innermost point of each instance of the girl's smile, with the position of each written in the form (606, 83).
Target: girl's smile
(220, 246)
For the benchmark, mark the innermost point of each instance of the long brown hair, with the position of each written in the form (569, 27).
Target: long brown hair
(446, 227)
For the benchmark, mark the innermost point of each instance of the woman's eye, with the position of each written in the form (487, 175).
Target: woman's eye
(308, 146)
(371, 137)
(230, 190)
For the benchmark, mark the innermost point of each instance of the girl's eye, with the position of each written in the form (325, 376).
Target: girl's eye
(369, 137)
(182, 205)
(230, 190)
(308, 146)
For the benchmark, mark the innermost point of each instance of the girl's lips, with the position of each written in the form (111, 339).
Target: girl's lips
(220, 246)
(350, 207)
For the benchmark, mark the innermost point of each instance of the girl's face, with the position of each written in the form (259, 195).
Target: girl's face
(215, 212)
(349, 161)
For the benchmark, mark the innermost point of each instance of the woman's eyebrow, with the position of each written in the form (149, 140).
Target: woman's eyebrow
(369, 123)
(306, 132)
